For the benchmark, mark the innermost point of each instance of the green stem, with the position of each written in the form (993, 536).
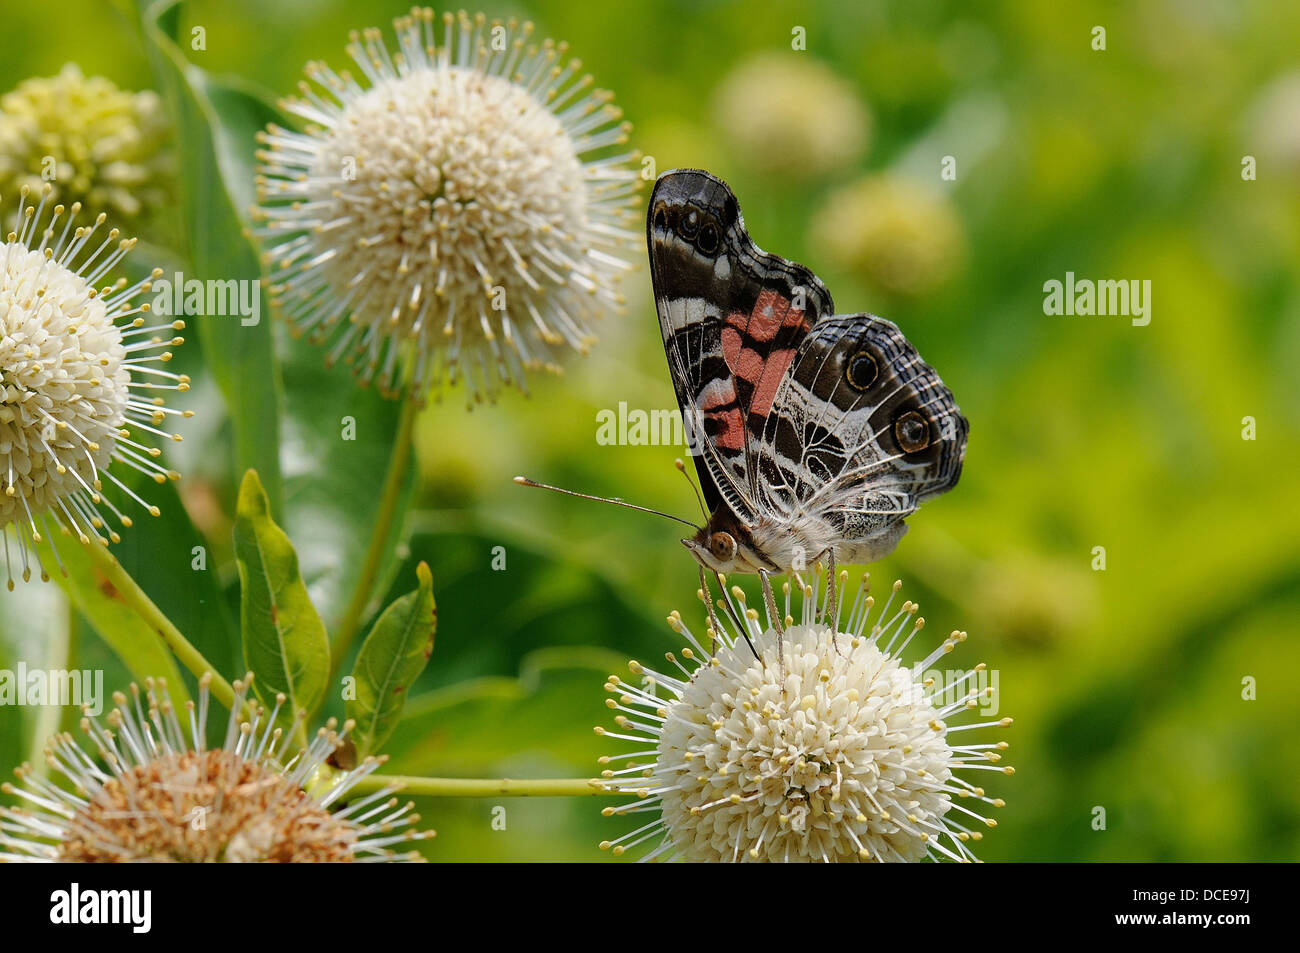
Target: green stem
(398, 464)
(483, 787)
(154, 617)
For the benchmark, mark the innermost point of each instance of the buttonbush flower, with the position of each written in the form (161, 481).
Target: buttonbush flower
(1272, 123)
(453, 214)
(905, 237)
(787, 114)
(825, 747)
(151, 790)
(91, 141)
(82, 374)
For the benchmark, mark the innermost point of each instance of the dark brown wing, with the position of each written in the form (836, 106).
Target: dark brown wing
(732, 318)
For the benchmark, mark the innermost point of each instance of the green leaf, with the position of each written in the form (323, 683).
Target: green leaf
(285, 644)
(169, 558)
(140, 648)
(339, 441)
(34, 629)
(391, 659)
(539, 722)
(549, 598)
(215, 124)
(14, 729)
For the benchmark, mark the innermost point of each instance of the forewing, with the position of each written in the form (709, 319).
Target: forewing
(732, 317)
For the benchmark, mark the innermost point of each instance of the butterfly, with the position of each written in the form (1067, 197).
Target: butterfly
(814, 434)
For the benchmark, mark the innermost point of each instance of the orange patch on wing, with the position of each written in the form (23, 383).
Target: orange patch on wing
(769, 315)
(718, 403)
(778, 362)
(731, 347)
(749, 365)
(731, 435)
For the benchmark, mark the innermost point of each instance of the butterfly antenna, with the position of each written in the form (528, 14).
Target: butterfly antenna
(681, 468)
(524, 481)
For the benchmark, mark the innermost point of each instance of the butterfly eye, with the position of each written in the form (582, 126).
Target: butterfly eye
(661, 218)
(722, 546)
(912, 432)
(861, 371)
(689, 224)
(707, 242)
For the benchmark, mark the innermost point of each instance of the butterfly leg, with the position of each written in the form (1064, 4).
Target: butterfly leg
(707, 598)
(832, 593)
(713, 618)
(831, 611)
(774, 617)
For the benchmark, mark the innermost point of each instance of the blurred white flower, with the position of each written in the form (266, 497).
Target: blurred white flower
(788, 114)
(905, 237)
(445, 219)
(81, 379)
(91, 141)
(156, 792)
(1273, 123)
(826, 748)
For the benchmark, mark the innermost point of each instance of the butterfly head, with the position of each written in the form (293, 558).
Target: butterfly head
(727, 545)
(713, 550)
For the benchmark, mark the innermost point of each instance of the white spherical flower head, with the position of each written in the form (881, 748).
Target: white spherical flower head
(804, 744)
(149, 789)
(79, 380)
(441, 222)
(789, 115)
(62, 358)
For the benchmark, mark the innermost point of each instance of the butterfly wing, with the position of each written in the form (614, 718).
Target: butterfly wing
(861, 431)
(733, 317)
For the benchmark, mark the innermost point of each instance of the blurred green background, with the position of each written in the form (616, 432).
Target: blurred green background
(1126, 684)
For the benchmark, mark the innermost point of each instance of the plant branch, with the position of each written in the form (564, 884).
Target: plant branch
(158, 622)
(484, 787)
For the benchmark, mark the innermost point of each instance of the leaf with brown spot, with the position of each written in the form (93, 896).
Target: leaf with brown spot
(107, 589)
